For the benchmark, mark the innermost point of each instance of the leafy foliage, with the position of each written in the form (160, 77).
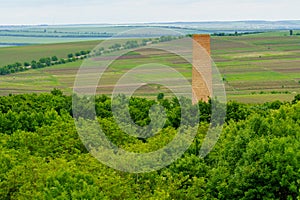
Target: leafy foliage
(42, 157)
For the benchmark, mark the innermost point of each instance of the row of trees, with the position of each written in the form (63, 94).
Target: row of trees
(42, 62)
(130, 44)
(42, 157)
(236, 33)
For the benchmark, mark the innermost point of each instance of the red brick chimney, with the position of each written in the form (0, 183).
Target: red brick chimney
(202, 71)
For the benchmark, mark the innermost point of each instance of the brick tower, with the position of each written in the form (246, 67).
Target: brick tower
(202, 71)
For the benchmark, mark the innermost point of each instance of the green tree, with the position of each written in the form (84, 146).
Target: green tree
(54, 58)
(26, 64)
(160, 96)
(296, 99)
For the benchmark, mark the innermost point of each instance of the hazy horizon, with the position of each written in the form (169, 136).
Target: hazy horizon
(146, 23)
(34, 12)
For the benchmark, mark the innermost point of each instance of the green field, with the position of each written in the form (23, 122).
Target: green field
(255, 68)
(258, 68)
(9, 55)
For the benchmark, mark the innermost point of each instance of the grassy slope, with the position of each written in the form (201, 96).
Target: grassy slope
(9, 55)
(250, 64)
(263, 62)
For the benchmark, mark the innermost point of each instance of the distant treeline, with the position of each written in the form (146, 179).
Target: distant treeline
(229, 34)
(235, 34)
(15, 44)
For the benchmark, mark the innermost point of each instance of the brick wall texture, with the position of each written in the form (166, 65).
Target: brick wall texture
(202, 71)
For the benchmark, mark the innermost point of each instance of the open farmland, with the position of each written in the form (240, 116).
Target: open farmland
(255, 68)
(259, 68)
(9, 55)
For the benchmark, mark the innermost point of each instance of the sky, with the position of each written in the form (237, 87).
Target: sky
(141, 11)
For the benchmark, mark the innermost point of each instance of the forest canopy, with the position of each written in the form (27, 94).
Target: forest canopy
(42, 156)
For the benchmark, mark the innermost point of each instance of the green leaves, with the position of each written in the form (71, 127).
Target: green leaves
(260, 157)
(42, 156)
